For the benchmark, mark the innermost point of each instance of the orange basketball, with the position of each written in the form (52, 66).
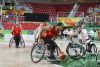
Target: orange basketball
(61, 56)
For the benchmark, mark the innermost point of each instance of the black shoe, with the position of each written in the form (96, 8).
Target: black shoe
(17, 46)
(53, 60)
(98, 62)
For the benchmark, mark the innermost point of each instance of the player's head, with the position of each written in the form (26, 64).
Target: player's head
(17, 24)
(59, 26)
(82, 24)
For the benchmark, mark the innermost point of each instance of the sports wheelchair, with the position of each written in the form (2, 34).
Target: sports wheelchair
(21, 42)
(40, 52)
(77, 50)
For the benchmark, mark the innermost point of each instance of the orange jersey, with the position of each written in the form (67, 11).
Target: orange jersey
(49, 34)
(16, 30)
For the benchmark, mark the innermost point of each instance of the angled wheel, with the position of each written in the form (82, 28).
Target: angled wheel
(98, 58)
(93, 49)
(12, 41)
(22, 43)
(56, 51)
(75, 51)
(37, 52)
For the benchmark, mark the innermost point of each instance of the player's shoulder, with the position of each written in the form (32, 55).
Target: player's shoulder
(47, 26)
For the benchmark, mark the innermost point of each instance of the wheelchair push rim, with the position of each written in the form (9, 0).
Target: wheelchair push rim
(12, 43)
(98, 58)
(93, 49)
(37, 52)
(75, 51)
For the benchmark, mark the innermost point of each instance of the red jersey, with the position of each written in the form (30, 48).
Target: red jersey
(49, 34)
(16, 30)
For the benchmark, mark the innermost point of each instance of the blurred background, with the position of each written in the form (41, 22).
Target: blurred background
(31, 13)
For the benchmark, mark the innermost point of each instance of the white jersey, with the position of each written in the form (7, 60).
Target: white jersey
(91, 32)
(65, 31)
(85, 35)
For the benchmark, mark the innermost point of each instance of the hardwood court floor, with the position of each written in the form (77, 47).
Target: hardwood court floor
(18, 57)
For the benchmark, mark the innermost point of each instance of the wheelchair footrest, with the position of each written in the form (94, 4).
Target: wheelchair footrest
(54, 61)
(98, 62)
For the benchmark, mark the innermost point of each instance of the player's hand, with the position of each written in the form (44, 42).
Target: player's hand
(40, 41)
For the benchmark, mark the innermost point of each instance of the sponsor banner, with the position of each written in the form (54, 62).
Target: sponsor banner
(69, 21)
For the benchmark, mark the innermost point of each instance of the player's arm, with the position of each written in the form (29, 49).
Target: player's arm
(12, 29)
(21, 29)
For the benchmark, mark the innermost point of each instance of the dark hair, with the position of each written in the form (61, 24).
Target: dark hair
(59, 24)
(82, 23)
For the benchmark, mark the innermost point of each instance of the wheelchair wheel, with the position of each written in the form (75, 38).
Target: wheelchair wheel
(75, 51)
(12, 42)
(37, 52)
(93, 49)
(56, 51)
(22, 43)
(55, 59)
(98, 58)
